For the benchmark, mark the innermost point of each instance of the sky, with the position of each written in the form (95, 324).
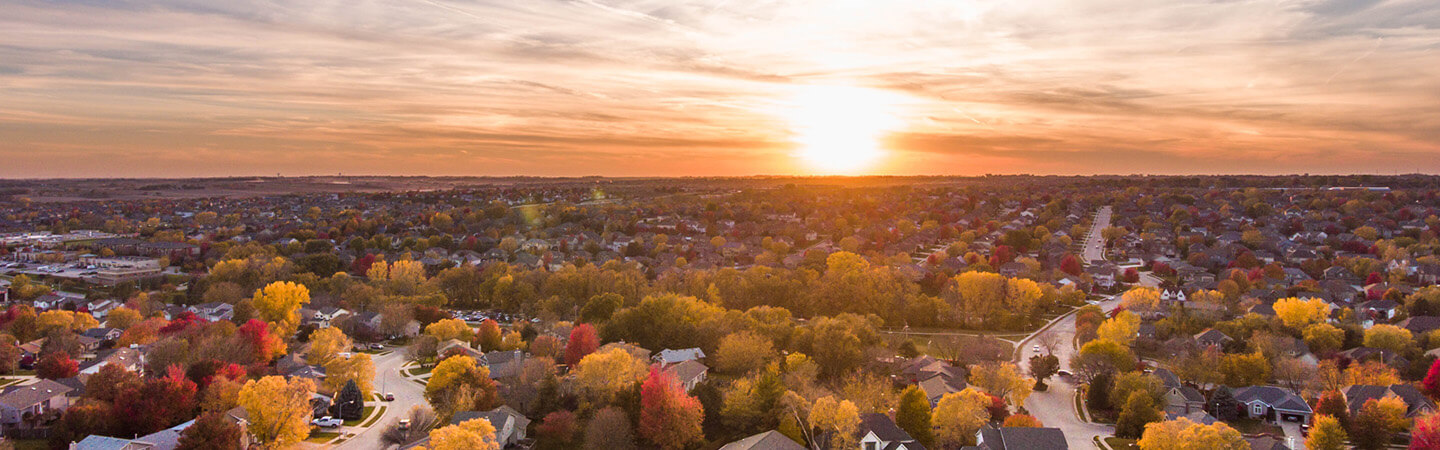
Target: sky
(165, 88)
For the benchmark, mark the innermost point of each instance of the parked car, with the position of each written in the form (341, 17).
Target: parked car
(389, 396)
(327, 422)
(377, 346)
(404, 424)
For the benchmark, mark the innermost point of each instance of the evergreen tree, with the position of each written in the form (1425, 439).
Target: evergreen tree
(1098, 396)
(1223, 405)
(349, 403)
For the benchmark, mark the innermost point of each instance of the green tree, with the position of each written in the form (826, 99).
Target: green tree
(1140, 409)
(913, 416)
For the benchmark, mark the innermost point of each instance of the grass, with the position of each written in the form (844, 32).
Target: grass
(23, 372)
(1080, 406)
(1121, 444)
(376, 417)
(1255, 426)
(363, 415)
(322, 437)
(30, 444)
(9, 381)
(420, 370)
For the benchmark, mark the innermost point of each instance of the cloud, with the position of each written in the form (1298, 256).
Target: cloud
(696, 87)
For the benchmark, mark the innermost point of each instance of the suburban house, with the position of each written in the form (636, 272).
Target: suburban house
(214, 311)
(1212, 338)
(1018, 438)
(668, 356)
(167, 439)
(127, 358)
(1273, 403)
(509, 424)
(688, 373)
(878, 432)
(1179, 398)
(769, 440)
(1416, 403)
(503, 364)
(28, 404)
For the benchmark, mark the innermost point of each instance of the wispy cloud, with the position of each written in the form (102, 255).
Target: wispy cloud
(691, 87)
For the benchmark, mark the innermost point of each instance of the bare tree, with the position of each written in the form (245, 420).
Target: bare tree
(1049, 340)
(422, 419)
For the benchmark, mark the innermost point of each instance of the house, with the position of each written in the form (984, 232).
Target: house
(1376, 311)
(32, 403)
(1179, 398)
(126, 358)
(324, 315)
(1175, 295)
(1273, 403)
(167, 439)
(1420, 325)
(1266, 442)
(688, 373)
(103, 333)
(462, 347)
(503, 364)
(509, 424)
(878, 432)
(1361, 354)
(1212, 337)
(769, 440)
(1416, 403)
(1018, 438)
(214, 311)
(668, 356)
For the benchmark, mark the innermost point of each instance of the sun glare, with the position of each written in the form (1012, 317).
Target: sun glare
(839, 129)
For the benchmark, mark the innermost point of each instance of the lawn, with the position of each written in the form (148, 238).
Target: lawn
(376, 417)
(31, 444)
(363, 415)
(1121, 444)
(1255, 426)
(322, 437)
(420, 370)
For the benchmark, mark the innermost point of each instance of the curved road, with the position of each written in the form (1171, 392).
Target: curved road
(1056, 407)
(407, 394)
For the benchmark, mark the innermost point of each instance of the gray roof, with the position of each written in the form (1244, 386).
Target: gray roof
(108, 443)
(688, 370)
(1024, 438)
(18, 397)
(769, 440)
(1273, 396)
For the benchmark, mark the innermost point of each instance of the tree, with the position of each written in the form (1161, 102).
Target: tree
(278, 411)
(1131, 382)
(1372, 373)
(358, 368)
(1140, 299)
(122, 318)
(458, 384)
(1140, 409)
(87, 417)
(1022, 421)
(1183, 434)
(1120, 329)
(447, 329)
(1298, 314)
(742, 352)
(837, 421)
(473, 434)
(600, 307)
(264, 346)
(583, 341)
(1097, 395)
(1101, 355)
(1002, 380)
(959, 415)
(669, 418)
(350, 402)
(1240, 370)
(913, 416)
(1372, 428)
(602, 375)
(277, 303)
(1324, 337)
(1332, 404)
(326, 344)
(1223, 405)
(1071, 265)
(1426, 434)
(1042, 367)
(211, 431)
(56, 365)
(156, 404)
(1431, 383)
(107, 383)
(609, 429)
(1389, 337)
(488, 335)
(547, 346)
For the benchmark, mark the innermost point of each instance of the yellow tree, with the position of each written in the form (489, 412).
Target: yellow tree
(1002, 380)
(1183, 434)
(54, 320)
(1298, 314)
(1141, 299)
(603, 374)
(1327, 434)
(407, 275)
(1022, 296)
(1389, 337)
(278, 411)
(473, 434)
(959, 415)
(838, 418)
(1393, 409)
(277, 302)
(122, 318)
(1120, 329)
(1324, 337)
(325, 344)
(447, 329)
(83, 321)
(358, 367)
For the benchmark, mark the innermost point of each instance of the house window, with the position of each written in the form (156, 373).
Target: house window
(869, 446)
(1257, 410)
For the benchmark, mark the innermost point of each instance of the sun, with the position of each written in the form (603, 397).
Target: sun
(839, 129)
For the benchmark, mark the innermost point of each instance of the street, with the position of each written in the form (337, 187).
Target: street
(407, 394)
(1094, 249)
(1056, 407)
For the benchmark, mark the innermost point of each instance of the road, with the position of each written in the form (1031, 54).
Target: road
(1094, 247)
(1056, 406)
(407, 394)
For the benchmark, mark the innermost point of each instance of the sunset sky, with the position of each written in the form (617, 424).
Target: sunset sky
(116, 88)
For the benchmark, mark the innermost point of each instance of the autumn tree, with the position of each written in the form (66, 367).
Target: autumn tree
(1042, 367)
(122, 318)
(447, 329)
(1371, 428)
(157, 403)
(473, 434)
(959, 415)
(278, 411)
(1389, 337)
(1241, 370)
(557, 427)
(1323, 338)
(913, 415)
(211, 431)
(669, 418)
(263, 345)
(1003, 380)
(602, 375)
(277, 304)
(609, 429)
(583, 341)
(1298, 314)
(56, 365)
(1426, 433)
(1120, 329)
(1101, 356)
(358, 368)
(459, 383)
(1022, 421)
(326, 344)
(1140, 409)
(488, 336)
(1183, 434)
(836, 420)
(1141, 299)
(1333, 405)
(743, 352)
(1372, 373)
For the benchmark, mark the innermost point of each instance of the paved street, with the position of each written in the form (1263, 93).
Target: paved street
(1056, 407)
(407, 394)
(1094, 249)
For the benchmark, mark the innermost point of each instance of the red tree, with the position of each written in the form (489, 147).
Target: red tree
(1163, 269)
(1426, 433)
(181, 323)
(107, 383)
(1333, 404)
(998, 409)
(583, 341)
(558, 426)
(669, 417)
(257, 334)
(57, 365)
(212, 430)
(1373, 278)
(1131, 276)
(1071, 265)
(157, 404)
(1431, 385)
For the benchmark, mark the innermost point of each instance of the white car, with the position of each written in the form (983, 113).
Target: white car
(327, 422)
(1035, 349)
